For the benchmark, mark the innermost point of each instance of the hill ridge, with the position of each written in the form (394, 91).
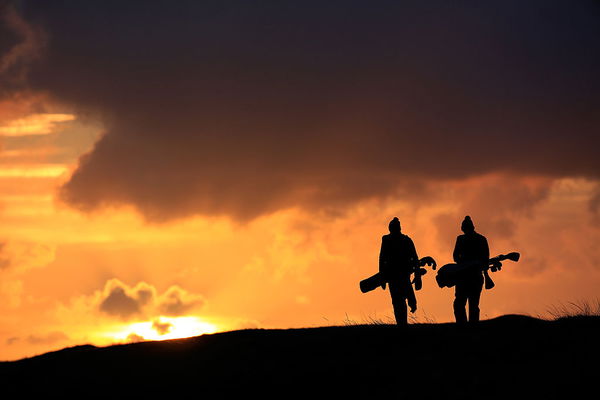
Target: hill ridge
(427, 360)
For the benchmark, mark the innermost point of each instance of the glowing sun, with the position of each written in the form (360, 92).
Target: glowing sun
(164, 328)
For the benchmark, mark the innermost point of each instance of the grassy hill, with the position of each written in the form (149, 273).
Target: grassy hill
(508, 357)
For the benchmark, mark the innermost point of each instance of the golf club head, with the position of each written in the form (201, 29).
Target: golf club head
(427, 260)
(514, 256)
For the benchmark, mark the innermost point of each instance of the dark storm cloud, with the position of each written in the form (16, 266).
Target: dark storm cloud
(20, 43)
(241, 108)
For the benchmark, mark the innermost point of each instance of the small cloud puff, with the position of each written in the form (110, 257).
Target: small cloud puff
(120, 300)
(23, 255)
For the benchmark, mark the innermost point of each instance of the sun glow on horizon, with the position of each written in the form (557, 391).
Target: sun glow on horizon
(164, 328)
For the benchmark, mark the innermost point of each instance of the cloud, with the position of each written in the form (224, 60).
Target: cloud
(35, 124)
(121, 301)
(241, 110)
(5, 261)
(594, 204)
(177, 301)
(134, 338)
(34, 171)
(142, 300)
(546, 220)
(21, 43)
(497, 203)
(49, 338)
(162, 328)
(21, 255)
(11, 290)
(20, 105)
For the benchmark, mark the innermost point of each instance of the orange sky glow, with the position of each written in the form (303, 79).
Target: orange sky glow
(202, 167)
(66, 276)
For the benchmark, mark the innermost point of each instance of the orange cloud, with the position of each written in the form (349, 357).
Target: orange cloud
(22, 255)
(34, 171)
(35, 124)
(50, 338)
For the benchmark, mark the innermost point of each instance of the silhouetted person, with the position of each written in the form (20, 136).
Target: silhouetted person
(470, 248)
(397, 259)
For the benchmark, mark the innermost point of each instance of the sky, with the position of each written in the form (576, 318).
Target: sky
(169, 169)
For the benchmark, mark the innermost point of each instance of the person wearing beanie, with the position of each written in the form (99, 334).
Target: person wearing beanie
(397, 260)
(471, 247)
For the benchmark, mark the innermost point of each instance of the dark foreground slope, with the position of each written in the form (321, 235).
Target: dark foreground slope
(508, 357)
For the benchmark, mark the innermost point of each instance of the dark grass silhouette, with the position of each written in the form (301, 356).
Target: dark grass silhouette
(507, 357)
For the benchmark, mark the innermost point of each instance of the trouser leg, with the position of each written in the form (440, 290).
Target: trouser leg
(400, 313)
(399, 303)
(474, 297)
(474, 308)
(460, 313)
(411, 299)
(460, 303)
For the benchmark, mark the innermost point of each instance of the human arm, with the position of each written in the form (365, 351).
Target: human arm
(382, 256)
(485, 251)
(412, 253)
(457, 254)
(382, 260)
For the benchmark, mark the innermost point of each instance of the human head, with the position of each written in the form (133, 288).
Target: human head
(467, 225)
(394, 225)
